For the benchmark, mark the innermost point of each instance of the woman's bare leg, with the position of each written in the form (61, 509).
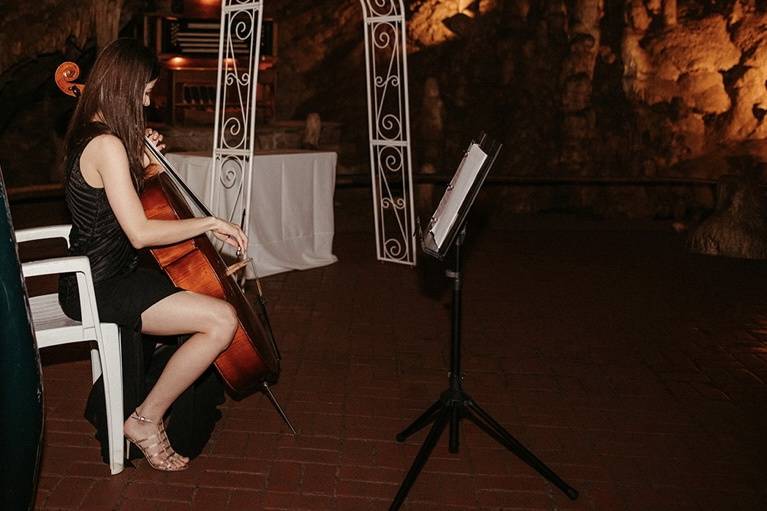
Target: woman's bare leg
(212, 323)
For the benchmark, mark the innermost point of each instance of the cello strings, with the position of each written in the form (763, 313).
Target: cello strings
(162, 160)
(175, 177)
(197, 202)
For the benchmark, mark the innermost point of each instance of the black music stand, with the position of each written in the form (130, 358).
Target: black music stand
(446, 230)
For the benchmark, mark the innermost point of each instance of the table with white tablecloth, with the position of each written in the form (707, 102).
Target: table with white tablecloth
(291, 206)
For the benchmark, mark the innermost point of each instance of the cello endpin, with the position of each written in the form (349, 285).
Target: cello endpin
(277, 406)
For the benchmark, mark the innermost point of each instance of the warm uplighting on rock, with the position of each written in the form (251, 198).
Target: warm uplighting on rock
(437, 21)
(589, 88)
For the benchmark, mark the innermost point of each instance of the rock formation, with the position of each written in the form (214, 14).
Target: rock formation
(28, 29)
(312, 131)
(738, 227)
(579, 121)
(631, 88)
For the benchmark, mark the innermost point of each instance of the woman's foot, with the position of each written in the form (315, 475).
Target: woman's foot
(150, 437)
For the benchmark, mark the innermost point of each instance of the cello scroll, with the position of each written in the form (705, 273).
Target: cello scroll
(65, 77)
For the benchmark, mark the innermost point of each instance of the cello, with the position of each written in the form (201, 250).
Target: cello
(252, 360)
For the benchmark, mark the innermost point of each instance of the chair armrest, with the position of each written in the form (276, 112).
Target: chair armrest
(79, 265)
(42, 233)
(54, 265)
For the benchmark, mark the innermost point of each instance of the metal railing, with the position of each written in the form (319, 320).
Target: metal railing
(56, 190)
(351, 180)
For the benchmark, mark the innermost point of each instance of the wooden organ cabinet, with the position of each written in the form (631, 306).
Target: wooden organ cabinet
(187, 46)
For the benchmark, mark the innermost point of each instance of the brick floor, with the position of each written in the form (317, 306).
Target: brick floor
(634, 369)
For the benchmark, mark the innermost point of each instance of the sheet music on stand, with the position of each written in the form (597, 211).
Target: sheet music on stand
(459, 196)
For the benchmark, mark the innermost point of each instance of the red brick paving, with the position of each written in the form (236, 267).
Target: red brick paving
(634, 369)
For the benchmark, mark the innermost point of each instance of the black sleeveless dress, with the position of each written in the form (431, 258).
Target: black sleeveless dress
(126, 285)
(123, 290)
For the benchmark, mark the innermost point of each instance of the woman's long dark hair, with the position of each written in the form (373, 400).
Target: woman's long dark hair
(115, 90)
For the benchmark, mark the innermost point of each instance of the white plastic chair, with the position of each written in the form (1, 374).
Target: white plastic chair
(53, 327)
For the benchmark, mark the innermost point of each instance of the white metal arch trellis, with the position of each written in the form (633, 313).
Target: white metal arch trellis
(389, 129)
(234, 128)
(388, 119)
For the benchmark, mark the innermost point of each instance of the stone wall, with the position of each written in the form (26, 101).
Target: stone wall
(34, 38)
(573, 88)
(29, 29)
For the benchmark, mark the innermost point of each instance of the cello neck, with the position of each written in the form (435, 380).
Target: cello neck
(163, 161)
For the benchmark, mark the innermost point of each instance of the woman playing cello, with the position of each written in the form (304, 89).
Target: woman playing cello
(106, 164)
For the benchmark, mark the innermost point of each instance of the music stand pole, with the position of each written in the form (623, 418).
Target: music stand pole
(454, 404)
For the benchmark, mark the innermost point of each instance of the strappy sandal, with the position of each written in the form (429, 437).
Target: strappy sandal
(156, 447)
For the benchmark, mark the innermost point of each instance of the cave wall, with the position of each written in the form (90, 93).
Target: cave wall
(35, 37)
(573, 88)
(29, 29)
(623, 89)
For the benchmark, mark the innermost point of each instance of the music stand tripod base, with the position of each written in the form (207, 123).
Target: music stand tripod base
(454, 405)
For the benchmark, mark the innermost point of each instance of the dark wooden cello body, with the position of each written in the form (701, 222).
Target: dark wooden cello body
(252, 361)
(195, 265)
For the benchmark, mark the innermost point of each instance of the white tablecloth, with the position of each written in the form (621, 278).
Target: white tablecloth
(291, 206)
